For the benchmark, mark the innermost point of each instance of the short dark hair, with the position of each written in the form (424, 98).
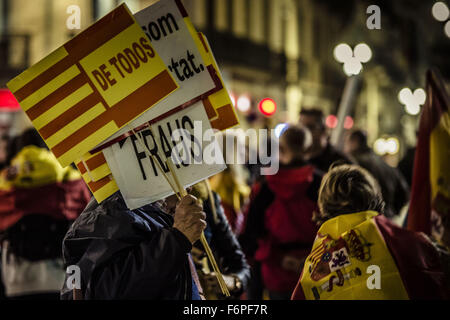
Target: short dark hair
(360, 136)
(348, 189)
(297, 138)
(316, 113)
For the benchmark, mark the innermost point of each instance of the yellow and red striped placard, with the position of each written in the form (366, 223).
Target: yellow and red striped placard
(95, 84)
(101, 188)
(219, 107)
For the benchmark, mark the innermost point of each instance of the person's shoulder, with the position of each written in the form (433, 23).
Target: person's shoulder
(338, 155)
(99, 219)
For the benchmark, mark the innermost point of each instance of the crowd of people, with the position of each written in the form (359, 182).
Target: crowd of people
(311, 231)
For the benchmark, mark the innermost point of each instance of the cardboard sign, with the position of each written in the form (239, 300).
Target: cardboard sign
(166, 25)
(102, 188)
(138, 176)
(218, 105)
(96, 83)
(94, 165)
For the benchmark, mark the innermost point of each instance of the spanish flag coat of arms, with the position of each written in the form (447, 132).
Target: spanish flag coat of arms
(363, 256)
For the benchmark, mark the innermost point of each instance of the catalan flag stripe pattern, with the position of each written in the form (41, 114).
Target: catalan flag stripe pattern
(317, 253)
(102, 188)
(65, 106)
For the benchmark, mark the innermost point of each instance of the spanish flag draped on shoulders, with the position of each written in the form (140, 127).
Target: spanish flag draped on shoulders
(363, 256)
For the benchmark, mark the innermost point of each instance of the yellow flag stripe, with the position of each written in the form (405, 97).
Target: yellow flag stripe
(100, 172)
(86, 177)
(90, 142)
(106, 191)
(37, 69)
(75, 125)
(49, 87)
(62, 106)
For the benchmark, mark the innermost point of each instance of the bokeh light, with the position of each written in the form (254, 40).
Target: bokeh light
(447, 28)
(267, 106)
(348, 123)
(440, 11)
(243, 103)
(331, 121)
(362, 52)
(343, 52)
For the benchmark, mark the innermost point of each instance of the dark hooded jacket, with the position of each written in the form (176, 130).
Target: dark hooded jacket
(128, 254)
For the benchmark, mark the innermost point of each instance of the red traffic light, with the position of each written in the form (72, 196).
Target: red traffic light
(7, 101)
(267, 107)
(331, 121)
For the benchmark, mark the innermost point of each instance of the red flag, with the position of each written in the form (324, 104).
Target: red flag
(430, 192)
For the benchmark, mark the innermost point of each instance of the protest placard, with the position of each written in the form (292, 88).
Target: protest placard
(167, 26)
(217, 102)
(218, 105)
(138, 176)
(92, 86)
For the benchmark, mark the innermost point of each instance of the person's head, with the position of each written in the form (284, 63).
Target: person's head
(294, 142)
(348, 189)
(314, 120)
(356, 141)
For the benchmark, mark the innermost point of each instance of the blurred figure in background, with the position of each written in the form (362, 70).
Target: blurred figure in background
(321, 154)
(38, 201)
(394, 188)
(231, 187)
(3, 151)
(230, 184)
(279, 226)
(406, 165)
(357, 250)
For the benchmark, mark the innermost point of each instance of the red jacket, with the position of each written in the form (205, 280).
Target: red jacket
(290, 230)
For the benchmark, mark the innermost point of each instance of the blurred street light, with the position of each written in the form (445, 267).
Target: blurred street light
(243, 103)
(440, 11)
(412, 101)
(352, 59)
(331, 121)
(447, 28)
(348, 123)
(267, 107)
(386, 146)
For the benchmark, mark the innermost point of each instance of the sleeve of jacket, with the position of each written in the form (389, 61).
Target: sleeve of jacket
(142, 270)
(228, 248)
(255, 218)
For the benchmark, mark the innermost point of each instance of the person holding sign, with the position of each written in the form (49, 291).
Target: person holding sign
(134, 254)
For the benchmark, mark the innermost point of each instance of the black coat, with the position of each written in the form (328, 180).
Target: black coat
(124, 254)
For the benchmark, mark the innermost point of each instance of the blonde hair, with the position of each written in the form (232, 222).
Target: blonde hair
(348, 189)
